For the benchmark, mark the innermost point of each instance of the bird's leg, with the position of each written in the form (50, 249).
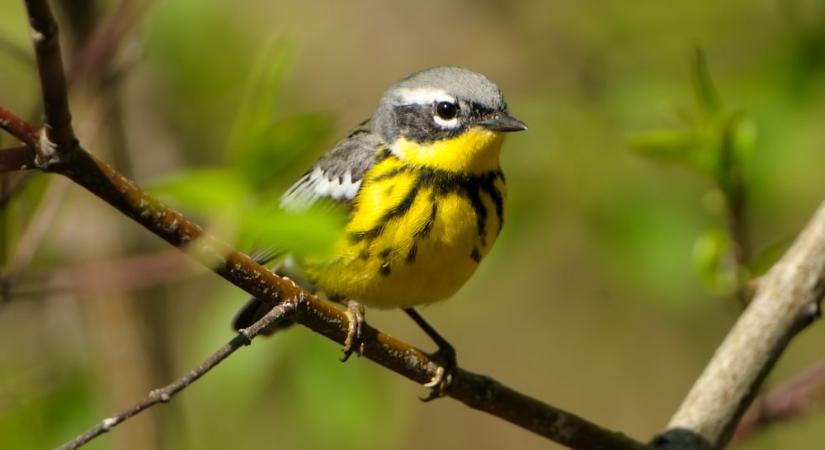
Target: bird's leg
(445, 356)
(354, 343)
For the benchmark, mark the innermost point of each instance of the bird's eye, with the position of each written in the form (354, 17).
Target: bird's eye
(446, 110)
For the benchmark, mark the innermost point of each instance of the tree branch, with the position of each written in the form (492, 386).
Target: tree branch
(795, 398)
(18, 128)
(164, 394)
(477, 391)
(57, 119)
(786, 301)
(60, 153)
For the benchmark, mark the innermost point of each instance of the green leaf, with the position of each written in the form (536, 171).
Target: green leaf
(279, 146)
(208, 191)
(351, 398)
(710, 250)
(744, 138)
(681, 147)
(260, 145)
(736, 142)
(706, 96)
(257, 109)
(312, 232)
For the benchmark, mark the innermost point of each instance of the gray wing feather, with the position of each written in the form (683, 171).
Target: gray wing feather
(338, 174)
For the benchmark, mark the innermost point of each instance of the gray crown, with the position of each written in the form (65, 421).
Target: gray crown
(463, 84)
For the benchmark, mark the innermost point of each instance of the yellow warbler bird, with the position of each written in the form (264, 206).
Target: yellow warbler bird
(425, 193)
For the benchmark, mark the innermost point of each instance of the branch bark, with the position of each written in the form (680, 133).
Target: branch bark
(787, 300)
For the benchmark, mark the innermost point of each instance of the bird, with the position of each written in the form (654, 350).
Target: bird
(424, 196)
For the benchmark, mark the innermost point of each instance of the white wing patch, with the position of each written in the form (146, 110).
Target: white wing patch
(319, 184)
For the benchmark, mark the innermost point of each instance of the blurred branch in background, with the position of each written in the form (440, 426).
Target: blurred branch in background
(123, 275)
(796, 398)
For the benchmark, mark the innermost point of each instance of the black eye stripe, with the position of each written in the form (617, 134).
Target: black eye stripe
(415, 122)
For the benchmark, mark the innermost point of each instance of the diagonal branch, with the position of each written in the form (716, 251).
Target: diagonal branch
(66, 157)
(164, 394)
(477, 391)
(18, 128)
(787, 300)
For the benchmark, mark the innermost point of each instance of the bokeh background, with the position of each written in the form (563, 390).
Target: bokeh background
(606, 294)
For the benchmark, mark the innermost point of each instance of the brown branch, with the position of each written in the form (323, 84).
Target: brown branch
(477, 391)
(165, 393)
(738, 229)
(56, 116)
(793, 399)
(70, 160)
(15, 158)
(98, 52)
(18, 128)
(787, 300)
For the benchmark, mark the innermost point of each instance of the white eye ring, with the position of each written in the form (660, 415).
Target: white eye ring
(446, 123)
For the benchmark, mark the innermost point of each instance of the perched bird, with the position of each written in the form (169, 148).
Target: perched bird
(425, 195)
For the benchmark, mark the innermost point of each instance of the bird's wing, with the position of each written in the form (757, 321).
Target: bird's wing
(337, 175)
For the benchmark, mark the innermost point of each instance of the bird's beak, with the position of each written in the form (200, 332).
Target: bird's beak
(503, 122)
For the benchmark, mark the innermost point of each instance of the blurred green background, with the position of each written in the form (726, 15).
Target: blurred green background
(608, 291)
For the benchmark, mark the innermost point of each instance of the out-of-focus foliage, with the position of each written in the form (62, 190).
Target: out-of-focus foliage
(716, 143)
(238, 193)
(605, 294)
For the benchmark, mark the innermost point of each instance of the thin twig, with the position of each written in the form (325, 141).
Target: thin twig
(18, 128)
(165, 393)
(793, 399)
(56, 116)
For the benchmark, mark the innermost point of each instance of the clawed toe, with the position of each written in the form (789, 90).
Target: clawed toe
(445, 357)
(354, 343)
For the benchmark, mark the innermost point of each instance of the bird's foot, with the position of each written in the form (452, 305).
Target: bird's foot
(447, 363)
(354, 343)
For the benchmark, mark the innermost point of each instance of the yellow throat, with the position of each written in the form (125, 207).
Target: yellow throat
(473, 151)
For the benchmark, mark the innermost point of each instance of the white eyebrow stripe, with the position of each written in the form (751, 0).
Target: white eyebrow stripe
(424, 96)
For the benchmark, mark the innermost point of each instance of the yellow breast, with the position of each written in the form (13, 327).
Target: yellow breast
(415, 236)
